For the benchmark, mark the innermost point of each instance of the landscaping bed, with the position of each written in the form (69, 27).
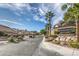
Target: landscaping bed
(65, 41)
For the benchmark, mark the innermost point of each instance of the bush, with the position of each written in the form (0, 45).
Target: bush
(73, 44)
(12, 39)
(20, 38)
(56, 41)
(56, 32)
(16, 40)
(54, 36)
(2, 33)
(43, 31)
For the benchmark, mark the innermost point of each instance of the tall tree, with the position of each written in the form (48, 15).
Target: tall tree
(73, 14)
(49, 16)
(46, 28)
(43, 31)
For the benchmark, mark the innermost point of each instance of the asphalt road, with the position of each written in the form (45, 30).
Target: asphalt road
(30, 47)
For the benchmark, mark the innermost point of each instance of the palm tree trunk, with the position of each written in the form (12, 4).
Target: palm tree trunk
(77, 30)
(46, 28)
(49, 27)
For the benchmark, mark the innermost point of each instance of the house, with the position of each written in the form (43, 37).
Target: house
(65, 28)
(65, 31)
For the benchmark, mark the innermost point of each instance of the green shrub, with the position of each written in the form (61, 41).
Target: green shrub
(56, 41)
(43, 31)
(2, 33)
(13, 39)
(20, 38)
(74, 44)
(16, 40)
(54, 36)
(10, 39)
(56, 32)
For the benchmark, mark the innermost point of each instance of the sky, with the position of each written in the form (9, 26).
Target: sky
(29, 16)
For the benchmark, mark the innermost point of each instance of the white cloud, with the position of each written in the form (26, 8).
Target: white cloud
(17, 8)
(57, 20)
(41, 12)
(18, 14)
(39, 19)
(13, 22)
(19, 4)
(57, 8)
(44, 8)
(36, 18)
(42, 20)
(28, 7)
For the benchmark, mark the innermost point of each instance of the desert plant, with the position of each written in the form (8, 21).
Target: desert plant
(74, 44)
(10, 39)
(2, 33)
(54, 36)
(16, 40)
(56, 41)
(56, 31)
(20, 38)
(13, 39)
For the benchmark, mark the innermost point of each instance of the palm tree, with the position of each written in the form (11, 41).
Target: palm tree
(64, 7)
(46, 28)
(73, 14)
(49, 16)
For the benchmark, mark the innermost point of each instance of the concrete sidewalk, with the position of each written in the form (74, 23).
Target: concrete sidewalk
(65, 51)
